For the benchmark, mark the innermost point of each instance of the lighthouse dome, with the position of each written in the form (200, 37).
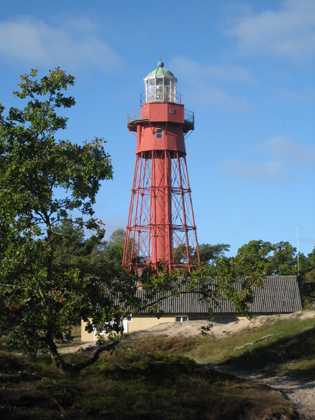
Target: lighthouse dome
(160, 71)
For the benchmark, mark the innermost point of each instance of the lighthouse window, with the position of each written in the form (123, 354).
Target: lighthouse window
(159, 133)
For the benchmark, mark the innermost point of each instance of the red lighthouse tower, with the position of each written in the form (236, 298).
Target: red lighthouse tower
(161, 225)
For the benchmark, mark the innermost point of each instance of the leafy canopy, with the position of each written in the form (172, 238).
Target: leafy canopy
(42, 181)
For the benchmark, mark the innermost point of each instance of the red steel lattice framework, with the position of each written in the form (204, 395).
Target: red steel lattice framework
(161, 225)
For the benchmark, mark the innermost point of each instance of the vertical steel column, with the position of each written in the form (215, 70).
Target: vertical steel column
(168, 209)
(191, 208)
(183, 208)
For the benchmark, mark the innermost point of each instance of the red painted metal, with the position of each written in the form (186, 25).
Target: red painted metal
(161, 225)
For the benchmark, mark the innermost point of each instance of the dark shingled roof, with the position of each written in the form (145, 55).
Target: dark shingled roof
(281, 295)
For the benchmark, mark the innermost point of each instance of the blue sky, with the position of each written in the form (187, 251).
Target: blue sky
(246, 69)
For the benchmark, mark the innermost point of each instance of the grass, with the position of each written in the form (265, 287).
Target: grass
(151, 386)
(159, 378)
(290, 351)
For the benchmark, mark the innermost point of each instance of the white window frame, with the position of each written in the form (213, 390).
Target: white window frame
(159, 133)
(181, 318)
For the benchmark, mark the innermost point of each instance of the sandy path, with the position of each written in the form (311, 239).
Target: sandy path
(300, 393)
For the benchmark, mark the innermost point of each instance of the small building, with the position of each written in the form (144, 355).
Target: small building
(281, 295)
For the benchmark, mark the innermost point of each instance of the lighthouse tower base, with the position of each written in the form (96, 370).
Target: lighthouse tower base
(161, 224)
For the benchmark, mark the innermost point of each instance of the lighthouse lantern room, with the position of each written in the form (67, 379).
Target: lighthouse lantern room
(161, 225)
(160, 85)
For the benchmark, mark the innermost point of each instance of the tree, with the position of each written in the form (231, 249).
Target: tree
(308, 279)
(180, 254)
(49, 274)
(257, 252)
(283, 259)
(273, 259)
(310, 270)
(42, 180)
(70, 243)
(115, 248)
(210, 253)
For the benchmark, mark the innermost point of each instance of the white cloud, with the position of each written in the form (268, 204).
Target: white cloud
(284, 155)
(288, 33)
(192, 69)
(283, 147)
(212, 97)
(293, 95)
(201, 79)
(273, 172)
(36, 43)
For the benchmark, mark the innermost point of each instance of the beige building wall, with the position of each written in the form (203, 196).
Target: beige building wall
(138, 323)
(85, 336)
(143, 322)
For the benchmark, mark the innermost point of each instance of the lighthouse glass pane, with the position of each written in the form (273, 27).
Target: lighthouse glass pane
(167, 94)
(173, 91)
(159, 93)
(146, 91)
(167, 83)
(150, 90)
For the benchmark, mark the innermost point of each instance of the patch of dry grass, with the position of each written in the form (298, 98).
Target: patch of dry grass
(280, 354)
(125, 385)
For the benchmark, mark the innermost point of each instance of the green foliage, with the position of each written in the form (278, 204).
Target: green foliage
(71, 247)
(115, 248)
(311, 272)
(42, 181)
(284, 259)
(180, 254)
(273, 259)
(210, 253)
(281, 259)
(257, 252)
